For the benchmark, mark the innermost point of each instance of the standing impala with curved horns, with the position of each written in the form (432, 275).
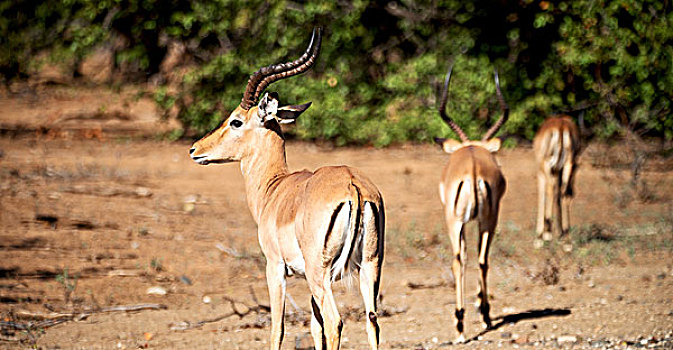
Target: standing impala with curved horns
(470, 189)
(321, 224)
(556, 145)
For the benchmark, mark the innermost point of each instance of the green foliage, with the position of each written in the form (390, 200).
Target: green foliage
(382, 63)
(68, 283)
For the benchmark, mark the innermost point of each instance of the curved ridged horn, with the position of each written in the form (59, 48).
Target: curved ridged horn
(503, 106)
(259, 80)
(442, 108)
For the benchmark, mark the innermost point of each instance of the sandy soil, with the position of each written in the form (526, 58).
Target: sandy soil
(120, 215)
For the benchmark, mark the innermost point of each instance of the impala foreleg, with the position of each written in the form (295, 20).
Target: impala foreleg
(457, 237)
(275, 278)
(486, 232)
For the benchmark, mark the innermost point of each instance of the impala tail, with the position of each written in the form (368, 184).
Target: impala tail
(558, 146)
(465, 204)
(346, 234)
(474, 198)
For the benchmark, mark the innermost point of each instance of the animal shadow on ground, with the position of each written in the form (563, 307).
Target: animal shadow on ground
(526, 315)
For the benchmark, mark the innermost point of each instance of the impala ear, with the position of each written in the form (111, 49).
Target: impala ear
(288, 114)
(493, 145)
(268, 106)
(450, 145)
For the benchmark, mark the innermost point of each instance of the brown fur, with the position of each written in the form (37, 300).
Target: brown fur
(294, 212)
(556, 147)
(471, 188)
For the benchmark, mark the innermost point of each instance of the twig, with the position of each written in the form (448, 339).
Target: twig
(55, 318)
(258, 309)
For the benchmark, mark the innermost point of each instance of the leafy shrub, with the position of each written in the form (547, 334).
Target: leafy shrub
(382, 62)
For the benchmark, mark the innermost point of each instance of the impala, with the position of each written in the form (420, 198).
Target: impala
(556, 148)
(322, 225)
(470, 189)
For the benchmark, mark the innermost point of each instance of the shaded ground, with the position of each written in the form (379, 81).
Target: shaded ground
(91, 223)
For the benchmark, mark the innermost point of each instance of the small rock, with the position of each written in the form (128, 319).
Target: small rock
(568, 247)
(188, 207)
(143, 192)
(562, 289)
(505, 335)
(567, 339)
(192, 198)
(206, 299)
(184, 279)
(591, 284)
(435, 340)
(54, 195)
(135, 245)
(603, 301)
(156, 290)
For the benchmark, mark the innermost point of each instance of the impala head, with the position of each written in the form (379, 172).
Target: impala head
(487, 142)
(255, 118)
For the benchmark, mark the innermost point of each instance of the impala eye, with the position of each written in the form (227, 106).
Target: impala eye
(236, 123)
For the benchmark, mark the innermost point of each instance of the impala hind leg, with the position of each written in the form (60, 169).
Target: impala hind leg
(486, 232)
(370, 271)
(543, 228)
(317, 331)
(456, 234)
(275, 278)
(557, 216)
(567, 176)
(327, 323)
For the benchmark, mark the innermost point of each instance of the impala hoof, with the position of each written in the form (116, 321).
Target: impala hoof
(546, 236)
(538, 244)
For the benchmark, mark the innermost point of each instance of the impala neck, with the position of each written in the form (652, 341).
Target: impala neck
(261, 167)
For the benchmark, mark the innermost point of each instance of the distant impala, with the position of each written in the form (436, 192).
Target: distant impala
(470, 189)
(556, 146)
(321, 224)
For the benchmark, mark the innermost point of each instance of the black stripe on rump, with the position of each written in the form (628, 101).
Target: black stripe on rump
(455, 202)
(489, 194)
(356, 228)
(331, 223)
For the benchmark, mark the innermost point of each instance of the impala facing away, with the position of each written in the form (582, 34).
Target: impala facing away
(323, 224)
(556, 146)
(470, 189)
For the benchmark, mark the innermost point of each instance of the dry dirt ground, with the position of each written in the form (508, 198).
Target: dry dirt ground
(91, 218)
